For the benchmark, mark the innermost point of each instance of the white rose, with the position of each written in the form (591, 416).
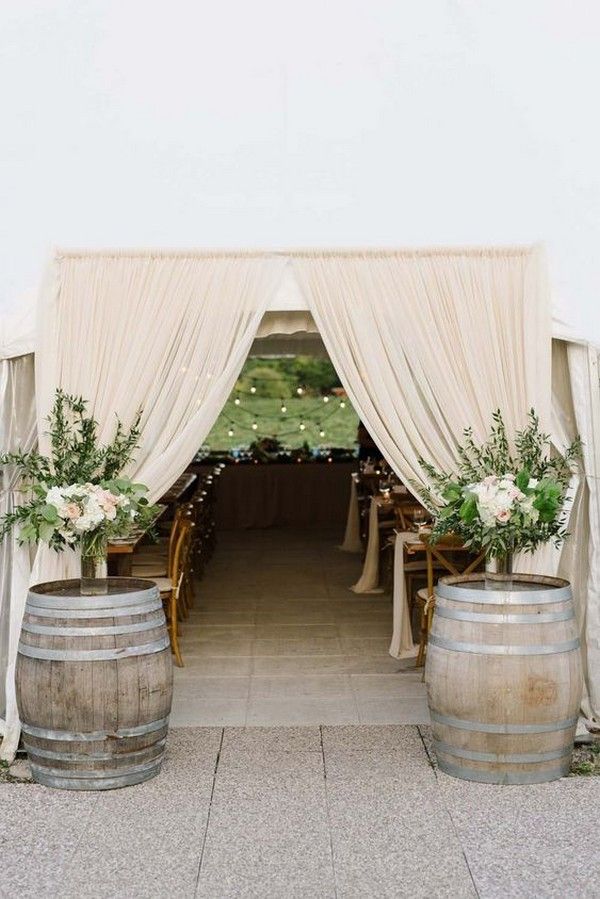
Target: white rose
(55, 497)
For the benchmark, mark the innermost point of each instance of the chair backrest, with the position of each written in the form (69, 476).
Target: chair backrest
(181, 551)
(181, 530)
(404, 509)
(451, 554)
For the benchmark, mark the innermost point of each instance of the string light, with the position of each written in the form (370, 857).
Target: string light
(325, 399)
(253, 389)
(300, 391)
(237, 401)
(302, 426)
(342, 404)
(254, 426)
(230, 432)
(321, 433)
(284, 408)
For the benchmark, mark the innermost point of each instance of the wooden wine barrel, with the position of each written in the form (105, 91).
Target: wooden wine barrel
(94, 683)
(504, 679)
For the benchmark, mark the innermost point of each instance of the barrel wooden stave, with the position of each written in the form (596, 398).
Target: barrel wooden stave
(475, 690)
(124, 702)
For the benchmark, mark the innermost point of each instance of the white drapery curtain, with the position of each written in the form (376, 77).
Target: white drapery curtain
(430, 342)
(18, 431)
(167, 333)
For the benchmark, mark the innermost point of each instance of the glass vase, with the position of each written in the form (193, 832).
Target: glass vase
(94, 564)
(499, 572)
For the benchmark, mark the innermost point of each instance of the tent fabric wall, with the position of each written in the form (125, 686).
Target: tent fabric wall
(82, 348)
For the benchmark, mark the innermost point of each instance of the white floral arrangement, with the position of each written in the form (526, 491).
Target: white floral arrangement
(80, 508)
(499, 499)
(76, 496)
(502, 499)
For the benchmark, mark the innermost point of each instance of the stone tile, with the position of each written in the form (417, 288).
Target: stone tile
(371, 738)
(294, 631)
(211, 712)
(215, 633)
(534, 840)
(293, 686)
(206, 647)
(363, 628)
(289, 615)
(150, 848)
(298, 665)
(195, 686)
(275, 847)
(365, 646)
(212, 666)
(304, 710)
(308, 646)
(218, 615)
(40, 830)
(254, 740)
(393, 711)
(388, 686)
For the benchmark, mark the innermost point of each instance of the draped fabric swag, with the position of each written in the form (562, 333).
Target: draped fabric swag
(429, 343)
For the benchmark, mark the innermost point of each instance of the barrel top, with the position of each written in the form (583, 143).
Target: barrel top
(116, 586)
(518, 581)
(522, 589)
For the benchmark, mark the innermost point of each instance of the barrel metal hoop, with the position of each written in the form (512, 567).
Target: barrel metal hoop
(33, 751)
(537, 775)
(107, 601)
(110, 783)
(153, 605)
(98, 735)
(511, 758)
(488, 728)
(502, 649)
(504, 597)
(97, 773)
(93, 655)
(493, 618)
(48, 630)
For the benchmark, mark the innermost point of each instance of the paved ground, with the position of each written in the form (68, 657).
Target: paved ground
(348, 805)
(301, 812)
(277, 637)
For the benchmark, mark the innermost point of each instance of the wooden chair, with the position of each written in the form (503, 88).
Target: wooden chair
(444, 556)
(172, 588)
(156, 560)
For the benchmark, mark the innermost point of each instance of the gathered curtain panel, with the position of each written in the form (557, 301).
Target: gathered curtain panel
(18, 431)
(428, 343)
(165, 333)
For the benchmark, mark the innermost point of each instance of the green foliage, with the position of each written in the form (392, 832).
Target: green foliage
(267, 381)
(502, 500)
(286, 373)
(76, 458)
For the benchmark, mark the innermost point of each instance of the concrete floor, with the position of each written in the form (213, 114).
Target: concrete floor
(278, 638)
(310, 812)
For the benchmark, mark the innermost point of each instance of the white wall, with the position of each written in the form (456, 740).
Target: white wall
(320, 122)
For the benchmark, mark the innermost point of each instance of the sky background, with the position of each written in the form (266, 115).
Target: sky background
(275, 124)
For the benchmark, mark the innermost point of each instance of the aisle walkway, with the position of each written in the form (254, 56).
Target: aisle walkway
(277, 638)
